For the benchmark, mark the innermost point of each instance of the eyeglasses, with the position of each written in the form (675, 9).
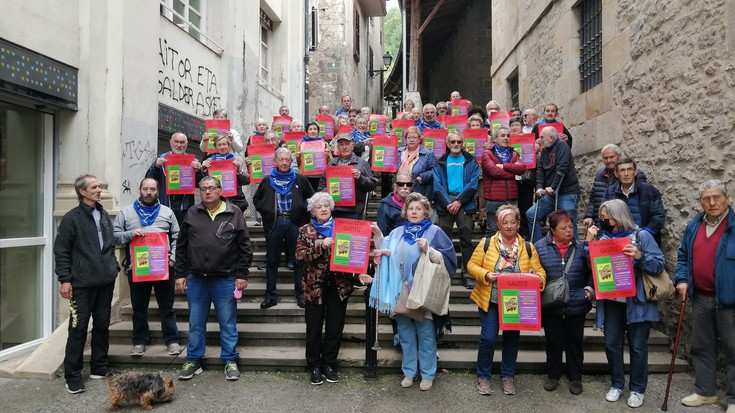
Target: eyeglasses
(209, 188)
(455, 142)
(408, 184)
(708, 199)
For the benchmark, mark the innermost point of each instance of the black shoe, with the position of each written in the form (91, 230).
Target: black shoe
(262, 266)
(290, 265)
(300, 302)
(74, 387)
(316, 376)
(550, 384)
(468, 282)
(575, 387)
(330, 374)
(268, 303)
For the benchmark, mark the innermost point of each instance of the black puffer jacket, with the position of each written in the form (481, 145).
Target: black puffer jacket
(78, 256)
(604, 178)
(579, 275)
(555, 169)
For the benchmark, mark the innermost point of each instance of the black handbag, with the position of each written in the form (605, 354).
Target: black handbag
(556, 293)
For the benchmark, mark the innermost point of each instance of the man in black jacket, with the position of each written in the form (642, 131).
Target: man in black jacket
(281, 201)
(213, 257)
(86, 268)
(557, 186)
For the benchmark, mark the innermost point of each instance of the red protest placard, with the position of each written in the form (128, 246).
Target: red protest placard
(256, 140)
(262, 161)
(224, 171)
(215, 127)
(499, 119)
(612, 271)
(459, 107)
(456, 123)
(293, 140)
(525, 145)
(344, 129)
(313, 158)
(180, 176)
(399, 126)
(351, 249)
(435, 140)
(377, 124)
(385, 154)
(341, 185)
(149, 256)
(474, 142)
(556, 125)
(281, 124)
(519, 302)
(326, 126)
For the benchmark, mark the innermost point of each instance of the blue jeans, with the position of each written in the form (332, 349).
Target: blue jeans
(418, 344)
(616, 324)
(545, 205)
(284, 232)
(200, 294)
(488, 338)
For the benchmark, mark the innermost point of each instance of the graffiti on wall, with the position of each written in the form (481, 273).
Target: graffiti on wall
(184, 80)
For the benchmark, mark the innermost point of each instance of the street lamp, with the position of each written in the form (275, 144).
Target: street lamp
(387, 60)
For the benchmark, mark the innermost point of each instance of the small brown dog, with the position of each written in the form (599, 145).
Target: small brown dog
(145, 388)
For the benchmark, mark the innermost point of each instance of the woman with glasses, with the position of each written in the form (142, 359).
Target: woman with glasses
(417, 161)
(222, 144)
(506, 252)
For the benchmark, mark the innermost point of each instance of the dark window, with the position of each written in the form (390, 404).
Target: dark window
(356, 37)
(513, 83)
(590, 37)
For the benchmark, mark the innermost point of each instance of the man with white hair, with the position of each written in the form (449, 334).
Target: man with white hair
(428, 121)
(530, 117)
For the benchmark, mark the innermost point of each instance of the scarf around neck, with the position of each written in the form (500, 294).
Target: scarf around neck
(504, 154)
(326, 229)
(147, 214)
(282, 182)
(413, 231)
(218, 157)
(407, 159)
(308, 139)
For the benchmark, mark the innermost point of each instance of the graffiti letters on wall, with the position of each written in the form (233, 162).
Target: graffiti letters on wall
(186, 81)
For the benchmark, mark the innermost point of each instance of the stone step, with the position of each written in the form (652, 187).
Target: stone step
(292, 358)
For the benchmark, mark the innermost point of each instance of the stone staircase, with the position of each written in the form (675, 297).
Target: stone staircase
(274, 338)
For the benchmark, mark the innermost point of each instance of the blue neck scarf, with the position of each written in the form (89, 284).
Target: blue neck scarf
(621, 233)
(504, 154)
(282, 183)
(413, 231)
(308, 139)
(360, 136)
(326, 229)
(218, 157)
(147, 214)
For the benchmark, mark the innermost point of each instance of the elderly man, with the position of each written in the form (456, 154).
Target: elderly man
(178, 203)
(324, 110)
(283, 111)
(213, 257)
(364, 182)
(557, 185)
(643, 199)
(492, 106)
(455, 183)
(530, 117)
(86, 268)
(604, 178)
(441, 108)
(389, 210)
(281, 201)
(551, 111)
(429, 119)
(147, 215)
(706, 272)
(345, 108)
(455, 96)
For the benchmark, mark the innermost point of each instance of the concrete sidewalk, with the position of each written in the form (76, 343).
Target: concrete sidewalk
(291, 392)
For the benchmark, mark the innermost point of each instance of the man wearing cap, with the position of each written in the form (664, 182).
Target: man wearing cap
(364, 182)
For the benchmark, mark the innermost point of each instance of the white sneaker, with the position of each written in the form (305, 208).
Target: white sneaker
(613, 394)
(730, 408)
(635, 399)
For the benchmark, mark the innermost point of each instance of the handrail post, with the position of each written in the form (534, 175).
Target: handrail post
(371, 356)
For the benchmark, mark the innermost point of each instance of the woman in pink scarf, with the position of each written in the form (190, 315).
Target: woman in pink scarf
(417, 161)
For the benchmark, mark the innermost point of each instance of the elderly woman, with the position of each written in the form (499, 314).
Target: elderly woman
(561, 255)
(500, 167)
(325, 292)
(404, 246)
(361, 137)
(417, 161)
(312, 135)
(633, 314)
(506, 252)
(222, 144)
(232, 135)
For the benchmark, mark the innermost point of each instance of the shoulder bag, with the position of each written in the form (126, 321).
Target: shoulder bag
(556, 293)
(658, 287)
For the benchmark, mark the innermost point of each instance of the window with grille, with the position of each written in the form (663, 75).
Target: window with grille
(514, 90)
(356, 37)
(590, 37)
(187, 14)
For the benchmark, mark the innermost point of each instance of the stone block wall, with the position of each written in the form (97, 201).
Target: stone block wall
(665, 98)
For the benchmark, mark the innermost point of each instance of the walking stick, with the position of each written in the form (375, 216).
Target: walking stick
(664, 406)
(535, 214)
(376, 346)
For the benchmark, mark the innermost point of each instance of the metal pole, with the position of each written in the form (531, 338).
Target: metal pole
(404, 77)
(371, 356)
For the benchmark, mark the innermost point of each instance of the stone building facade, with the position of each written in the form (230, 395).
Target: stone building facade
(349, 45)
(665, 94)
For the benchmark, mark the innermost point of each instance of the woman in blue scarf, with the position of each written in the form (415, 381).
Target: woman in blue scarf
(222, 144)
(632, 314)
(325, 292)
(403, 247)
(312, 135)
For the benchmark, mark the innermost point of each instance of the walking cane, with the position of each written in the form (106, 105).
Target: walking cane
(664, 406)
(535, 214)
(376, 283)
